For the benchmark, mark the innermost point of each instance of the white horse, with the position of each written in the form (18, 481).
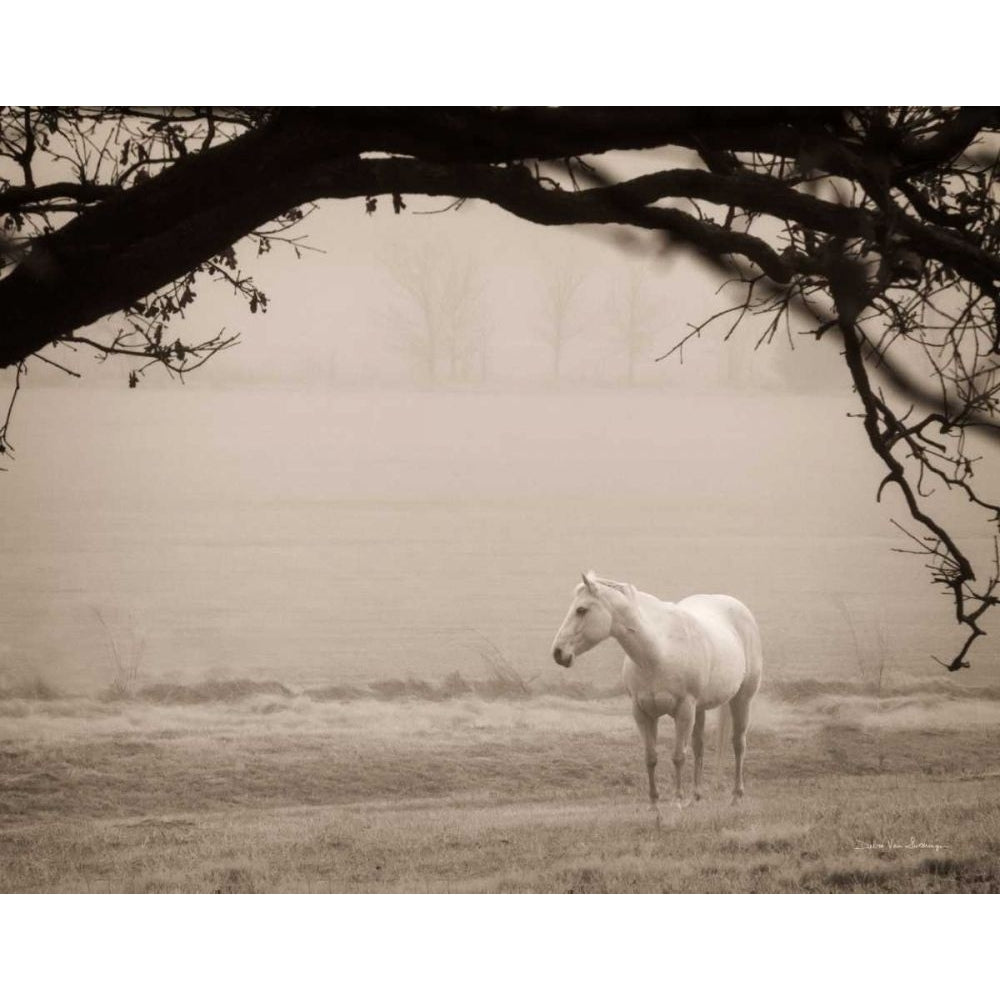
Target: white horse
(680, 660)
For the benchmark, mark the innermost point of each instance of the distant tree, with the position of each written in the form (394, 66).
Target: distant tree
(878, 228)
(439, 324)
(464, 326)
(562, 281)
(416, 326)
(633, 317)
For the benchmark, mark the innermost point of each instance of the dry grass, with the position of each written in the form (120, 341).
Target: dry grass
(437, 788)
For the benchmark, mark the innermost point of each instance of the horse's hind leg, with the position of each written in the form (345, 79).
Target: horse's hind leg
(740, 709)
(698, 745)
(648, 725)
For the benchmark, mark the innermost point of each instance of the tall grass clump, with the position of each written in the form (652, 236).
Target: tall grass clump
(871, 667)
(126, 658)
(503, 679)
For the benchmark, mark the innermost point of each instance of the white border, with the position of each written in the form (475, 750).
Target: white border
(514, 53)
(487, 947)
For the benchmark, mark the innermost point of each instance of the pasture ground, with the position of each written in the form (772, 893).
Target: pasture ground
(254, 788)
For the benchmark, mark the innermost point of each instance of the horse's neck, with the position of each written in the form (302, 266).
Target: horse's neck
(635, 634)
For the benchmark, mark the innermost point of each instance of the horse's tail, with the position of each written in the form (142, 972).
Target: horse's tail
(725, 734)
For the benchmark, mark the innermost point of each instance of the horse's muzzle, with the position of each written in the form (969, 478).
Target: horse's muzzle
(564, 660)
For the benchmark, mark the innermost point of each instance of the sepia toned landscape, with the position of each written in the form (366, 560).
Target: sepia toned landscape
(350, 689)
(306, 444)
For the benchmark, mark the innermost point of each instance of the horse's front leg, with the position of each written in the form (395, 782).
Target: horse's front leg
(684, 719)
(647, 725)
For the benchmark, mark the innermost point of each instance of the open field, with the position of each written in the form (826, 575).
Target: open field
(342, 537)
(460, 787)
(200, 646)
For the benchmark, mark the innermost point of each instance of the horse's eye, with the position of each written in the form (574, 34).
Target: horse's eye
(581, 611)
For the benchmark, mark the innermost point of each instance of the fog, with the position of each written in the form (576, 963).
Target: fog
(321, 503)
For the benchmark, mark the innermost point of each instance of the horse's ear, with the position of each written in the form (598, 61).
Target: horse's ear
(590, 582)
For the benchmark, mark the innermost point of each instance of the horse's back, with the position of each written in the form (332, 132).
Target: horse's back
(724, 619)
(720, 607)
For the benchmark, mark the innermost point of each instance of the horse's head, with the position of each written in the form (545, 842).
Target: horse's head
(591, 617)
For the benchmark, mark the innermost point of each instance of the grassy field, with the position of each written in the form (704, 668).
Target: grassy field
(461, 787)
